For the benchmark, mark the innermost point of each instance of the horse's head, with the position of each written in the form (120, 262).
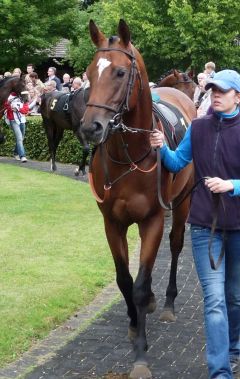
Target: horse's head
(179, 80)
(115, 76)
(18, 85)
(11, 84)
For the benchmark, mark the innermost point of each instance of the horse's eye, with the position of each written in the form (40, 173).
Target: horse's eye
(120, 73)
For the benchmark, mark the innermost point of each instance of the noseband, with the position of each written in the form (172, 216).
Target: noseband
(124, 105)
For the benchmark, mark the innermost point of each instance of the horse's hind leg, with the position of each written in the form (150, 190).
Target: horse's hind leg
(176, 244)
(51, 131)
(82, 164)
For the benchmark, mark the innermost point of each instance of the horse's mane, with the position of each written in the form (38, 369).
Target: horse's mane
(5, 80)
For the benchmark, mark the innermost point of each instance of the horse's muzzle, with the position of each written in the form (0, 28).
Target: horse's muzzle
(93, 132)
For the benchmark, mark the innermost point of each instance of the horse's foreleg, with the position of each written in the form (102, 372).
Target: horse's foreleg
(116, 235)
(151, 234)
(82, 164)
(176, 237)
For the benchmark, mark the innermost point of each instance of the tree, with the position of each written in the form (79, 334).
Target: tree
(30, 28)
(149, 24)
(169, 33)
(208, 30)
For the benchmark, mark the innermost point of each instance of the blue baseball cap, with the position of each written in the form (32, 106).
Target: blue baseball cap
(225, 80)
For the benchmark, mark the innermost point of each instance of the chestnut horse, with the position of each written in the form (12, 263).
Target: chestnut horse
(118, 120)
(179, 80)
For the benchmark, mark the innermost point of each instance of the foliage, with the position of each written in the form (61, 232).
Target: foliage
(169, 33)
(208, 29)
(35, 143)
(54, 255)
(29, 28)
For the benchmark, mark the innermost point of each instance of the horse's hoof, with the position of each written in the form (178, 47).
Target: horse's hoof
(151, 305)
(167, 315)
(132, 333)
(76, 172)
(140, 371)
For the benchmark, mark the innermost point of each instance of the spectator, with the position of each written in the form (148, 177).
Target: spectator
(210, 69)
(86, 82)
(34, 101)
(36, 82)
(205, 104)
(15, 110)
(200, 89)
(7, 74)
(76, 84)
(17, 72)
(52, 76)
(50, 86)
(66, 86)
(30, 70)
(213, 144)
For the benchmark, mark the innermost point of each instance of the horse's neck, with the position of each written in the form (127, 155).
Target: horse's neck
(140, 117)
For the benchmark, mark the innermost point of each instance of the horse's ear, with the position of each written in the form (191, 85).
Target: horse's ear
(97, 36)
(124, 32)
(176, 73)
(191, 73)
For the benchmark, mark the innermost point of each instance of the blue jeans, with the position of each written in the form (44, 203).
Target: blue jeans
(19, 132)
(221, 292)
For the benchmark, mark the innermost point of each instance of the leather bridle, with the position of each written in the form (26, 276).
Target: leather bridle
(134, 73)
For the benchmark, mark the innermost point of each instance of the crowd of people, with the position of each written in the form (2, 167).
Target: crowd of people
(16, 107)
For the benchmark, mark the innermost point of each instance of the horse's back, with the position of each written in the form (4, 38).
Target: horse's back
(173, 96)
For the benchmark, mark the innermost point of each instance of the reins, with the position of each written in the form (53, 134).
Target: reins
(216, 197)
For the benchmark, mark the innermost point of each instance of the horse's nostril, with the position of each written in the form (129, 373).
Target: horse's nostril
(97, 127)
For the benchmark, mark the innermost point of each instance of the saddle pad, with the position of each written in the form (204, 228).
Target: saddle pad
(61, 103)
(173, 122)
(169, 115)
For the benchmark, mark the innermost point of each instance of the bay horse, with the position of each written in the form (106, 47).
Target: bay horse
(65, 118)
(7, 86)
(123, 176)
(179, 80)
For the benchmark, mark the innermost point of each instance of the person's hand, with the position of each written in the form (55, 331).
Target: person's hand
(218, 185)
(157, 138)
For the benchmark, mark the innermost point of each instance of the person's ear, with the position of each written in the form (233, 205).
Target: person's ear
(238, 98)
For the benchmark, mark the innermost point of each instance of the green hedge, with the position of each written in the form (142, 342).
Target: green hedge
(35, 143)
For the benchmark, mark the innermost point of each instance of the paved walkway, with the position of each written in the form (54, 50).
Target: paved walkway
(94, 343)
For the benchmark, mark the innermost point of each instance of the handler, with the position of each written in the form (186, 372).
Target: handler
(213, 143)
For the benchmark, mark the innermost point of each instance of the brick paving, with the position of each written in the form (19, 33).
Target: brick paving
(100, 349)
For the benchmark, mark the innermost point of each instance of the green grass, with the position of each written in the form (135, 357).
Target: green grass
(54, 257)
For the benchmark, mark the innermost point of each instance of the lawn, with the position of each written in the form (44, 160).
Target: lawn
(54, 255)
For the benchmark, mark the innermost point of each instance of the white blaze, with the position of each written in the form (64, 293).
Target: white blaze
(102, 64)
